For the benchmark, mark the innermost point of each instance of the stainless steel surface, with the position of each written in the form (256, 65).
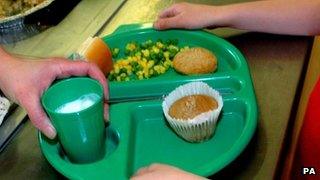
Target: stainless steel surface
(10, 124)
(15, 28)
(35, 20)
(29, 11)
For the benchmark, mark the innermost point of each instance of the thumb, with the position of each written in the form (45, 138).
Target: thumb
(39, 118)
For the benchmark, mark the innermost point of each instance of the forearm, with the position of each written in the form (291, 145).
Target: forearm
(273, 16)
(6, 65)
(4, 57)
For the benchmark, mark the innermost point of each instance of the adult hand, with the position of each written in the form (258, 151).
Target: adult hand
(188, 16)
(161, 171)
(24, 82)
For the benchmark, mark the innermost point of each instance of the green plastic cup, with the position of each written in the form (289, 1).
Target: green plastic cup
(75, 107)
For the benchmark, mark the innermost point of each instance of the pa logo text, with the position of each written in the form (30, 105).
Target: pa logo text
(308, 171)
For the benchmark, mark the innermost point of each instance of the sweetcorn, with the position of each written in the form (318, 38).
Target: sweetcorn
(143, 60)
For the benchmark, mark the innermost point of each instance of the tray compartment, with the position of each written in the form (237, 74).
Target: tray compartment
(230, 62)
(226, 54)
(154, 141)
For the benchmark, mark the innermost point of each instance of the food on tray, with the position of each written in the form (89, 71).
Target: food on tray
(190, 106)
(13, 7)
(192, 110)
(96, 51)
(195, 60)
(149, 59)
(143, 60)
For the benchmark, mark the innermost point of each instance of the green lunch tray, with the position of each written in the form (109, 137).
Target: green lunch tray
(139, 135)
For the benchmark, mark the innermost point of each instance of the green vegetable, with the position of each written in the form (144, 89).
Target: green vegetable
(115, 52)
(143, 60)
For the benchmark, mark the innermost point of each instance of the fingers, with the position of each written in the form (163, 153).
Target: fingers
(141, 171)
(150, 168)
(169, 12)
(82, 68)
(38, 117)
(167, 18)
(170, 17)
(157, 166)
(153, 171)
(166, 23)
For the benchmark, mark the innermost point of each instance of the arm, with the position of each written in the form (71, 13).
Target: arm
(24, 81)
(272, 16)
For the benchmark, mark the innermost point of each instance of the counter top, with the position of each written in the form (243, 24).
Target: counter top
(276, 64)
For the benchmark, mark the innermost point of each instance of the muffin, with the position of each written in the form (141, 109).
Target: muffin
(190, 106)
(192, 110)
(195, 60)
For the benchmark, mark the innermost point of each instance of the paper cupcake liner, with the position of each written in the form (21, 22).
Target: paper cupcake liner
(201, 127)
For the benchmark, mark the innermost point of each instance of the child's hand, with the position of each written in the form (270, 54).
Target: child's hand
(160, 171)
(188, 16)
